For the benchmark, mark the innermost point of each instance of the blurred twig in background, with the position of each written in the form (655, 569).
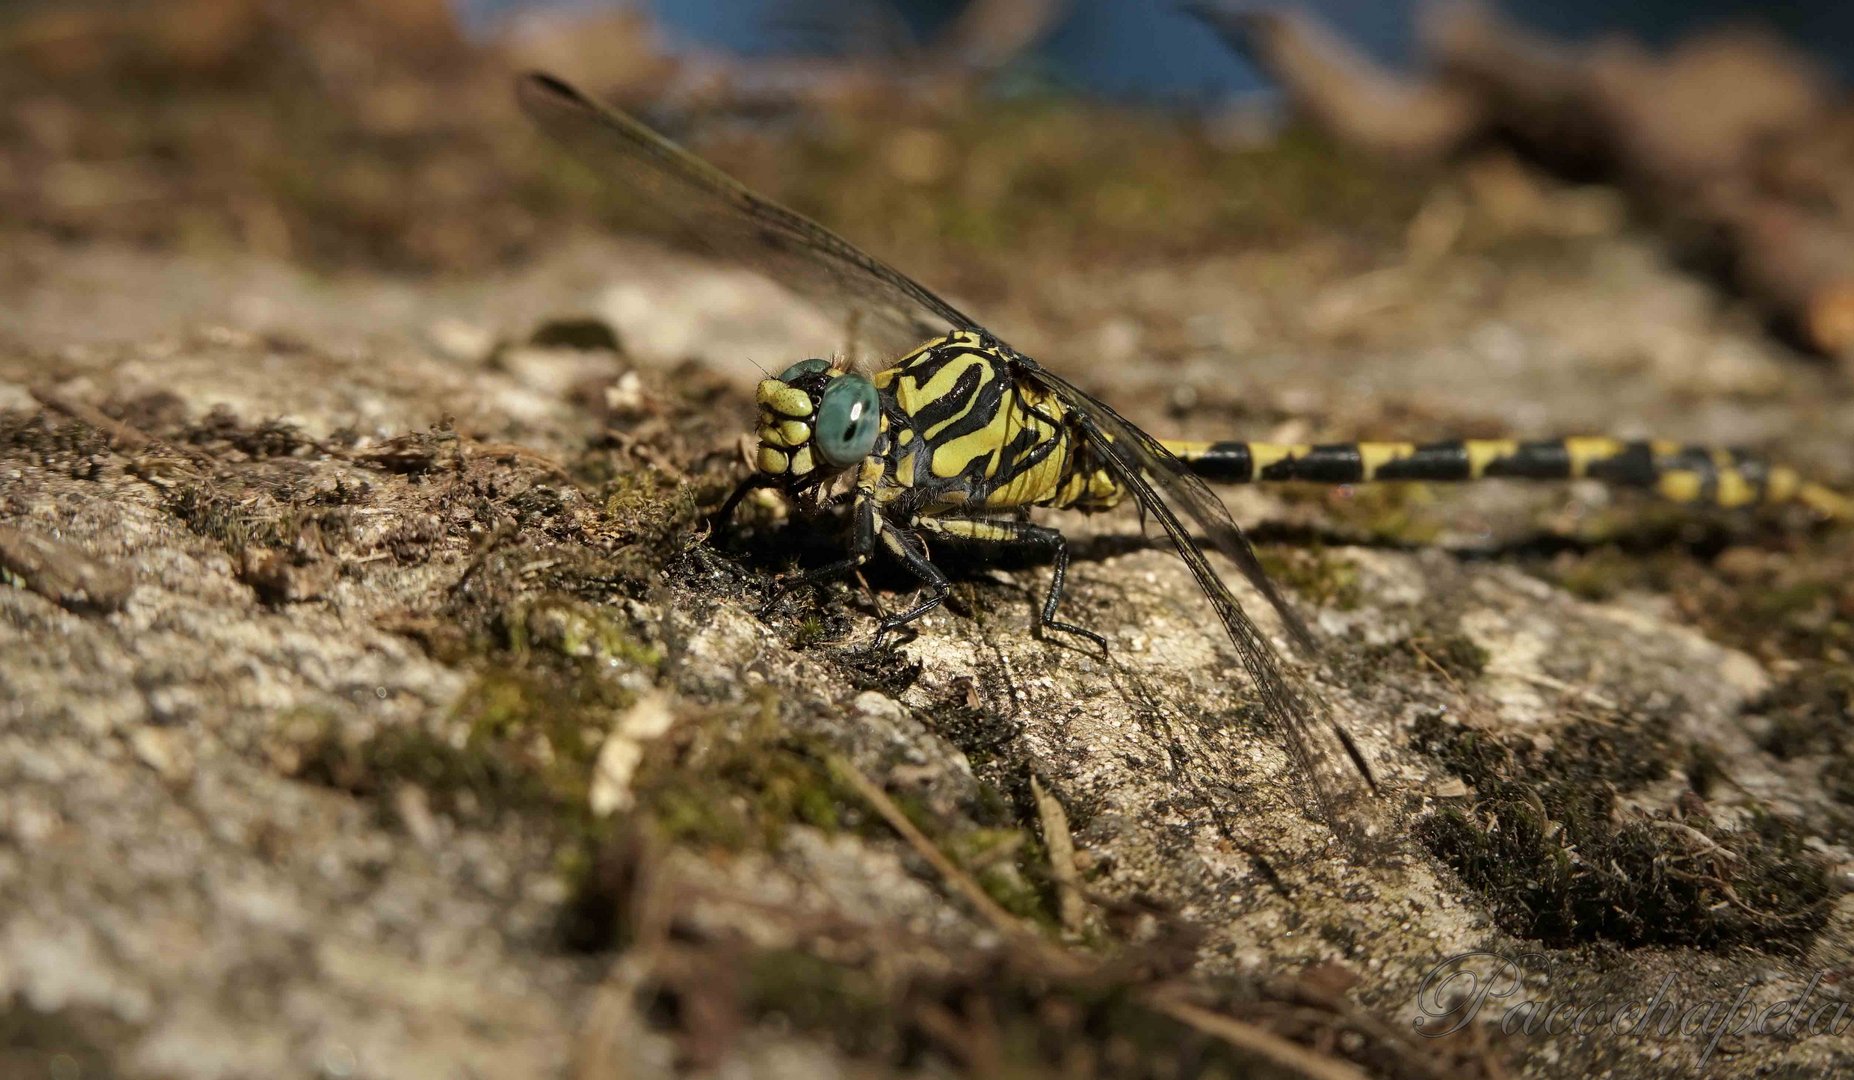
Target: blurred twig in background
(1732, 143)
(989, 34)
(1335, 87)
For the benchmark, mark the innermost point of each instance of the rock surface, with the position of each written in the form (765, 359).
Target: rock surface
(433, 735)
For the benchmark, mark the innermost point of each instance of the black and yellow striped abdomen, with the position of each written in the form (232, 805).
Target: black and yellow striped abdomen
(965, 433)
(1682, 473)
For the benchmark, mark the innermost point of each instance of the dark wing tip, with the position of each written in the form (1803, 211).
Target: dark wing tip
(536, 88)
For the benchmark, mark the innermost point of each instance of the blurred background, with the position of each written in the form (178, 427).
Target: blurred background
(976, 137)
(1131, 49)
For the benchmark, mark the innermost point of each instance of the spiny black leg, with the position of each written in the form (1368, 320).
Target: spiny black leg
(862, 545)
(1058, 581)
(817, 575)
(907, 547)
(724, 517)
(994, 531)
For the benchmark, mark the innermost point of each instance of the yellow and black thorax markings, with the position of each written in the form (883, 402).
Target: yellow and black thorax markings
(1683, 473)
(967, 432)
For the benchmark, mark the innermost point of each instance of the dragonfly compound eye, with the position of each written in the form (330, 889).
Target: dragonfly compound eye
(804, 368)
(848, 421)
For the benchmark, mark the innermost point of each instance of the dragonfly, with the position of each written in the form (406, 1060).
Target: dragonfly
(960, 436)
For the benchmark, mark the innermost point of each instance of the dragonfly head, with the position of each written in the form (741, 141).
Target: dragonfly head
(816, 420)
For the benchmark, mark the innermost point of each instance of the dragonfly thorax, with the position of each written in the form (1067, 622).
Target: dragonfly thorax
(815, 420)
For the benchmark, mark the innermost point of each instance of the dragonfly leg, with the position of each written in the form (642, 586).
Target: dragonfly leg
(865, 526)
(906, 545)
(988, 530)
(1058, 582)
(724, 517)
(865, 523)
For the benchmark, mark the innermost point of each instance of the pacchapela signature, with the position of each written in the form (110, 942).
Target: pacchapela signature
(1482, 984)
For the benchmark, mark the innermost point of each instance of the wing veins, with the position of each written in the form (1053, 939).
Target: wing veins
(1323, 752)
(728, 219)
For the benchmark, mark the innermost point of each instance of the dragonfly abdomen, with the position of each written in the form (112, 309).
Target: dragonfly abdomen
(1679, 472)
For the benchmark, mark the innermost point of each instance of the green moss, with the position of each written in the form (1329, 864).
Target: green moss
(648, 517)
(887, 671)
(650, 508)
(1458, 655)
(1624, 752)
(1463, 751)
(576, 332)
(1546, 844)
(1789, 599)
(1811, 714)
(462, 780)
(633, 493)
(1792, 603)
(1797, 606)
(1398, 514)
(734, 782)
(521, 743)
(1641, 523)
(575, 629)
(1316, 573)
(65, 1039)
(980, 734)
(1599, 575)
(1567, 872)
(1009, 181)
(747, 799)
(1011, 866)
(51, 442)
(520, 747)
(219, 517)
(811, 631)
(999, 1012)
(812, 994)
(1453, 655)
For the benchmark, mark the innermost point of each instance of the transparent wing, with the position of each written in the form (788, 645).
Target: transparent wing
(720, 216)
(1341, 781)
(897, 313)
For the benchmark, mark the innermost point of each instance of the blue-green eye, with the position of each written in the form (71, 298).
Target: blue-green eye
(804, 368)
(848, 421)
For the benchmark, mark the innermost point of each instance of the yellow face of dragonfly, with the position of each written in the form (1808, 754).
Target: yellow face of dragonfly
(814, 419)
